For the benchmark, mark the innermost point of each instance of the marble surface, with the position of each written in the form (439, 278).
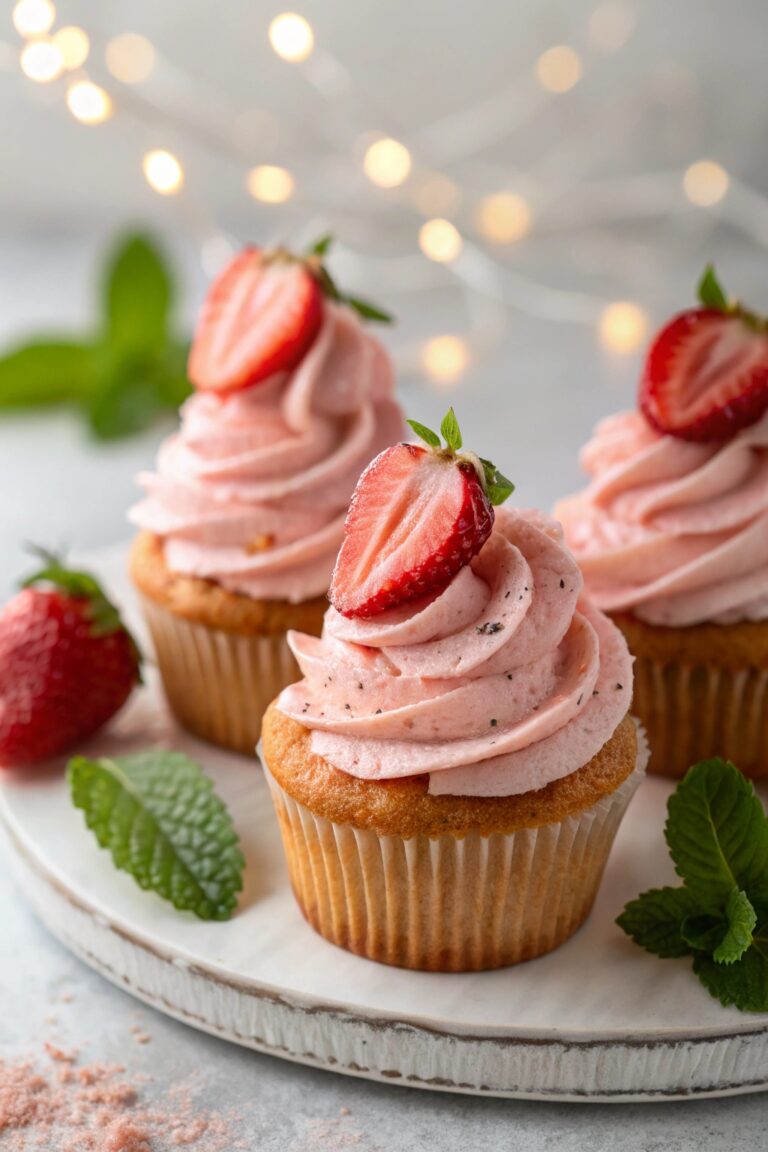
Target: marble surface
(534, 403)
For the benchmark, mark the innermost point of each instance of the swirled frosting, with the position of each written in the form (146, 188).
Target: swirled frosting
(498, 685)
(253, 489)
(675, 532)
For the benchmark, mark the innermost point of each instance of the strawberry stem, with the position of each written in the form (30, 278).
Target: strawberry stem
(104, 616)
(496, 486)
(712, 295)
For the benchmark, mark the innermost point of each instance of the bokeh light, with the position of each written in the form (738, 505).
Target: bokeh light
(623, 327)
(503, 217)
(131, 58)
(610, 26)
(33, 17)
(291, 37)
(387, 163)
(89, 103)
(440, 240)
(74, 45)
(445, 358)
(41, 61)
(705, 183)
(270, 183)
(163, 172)
(559, 69)
(437, 195)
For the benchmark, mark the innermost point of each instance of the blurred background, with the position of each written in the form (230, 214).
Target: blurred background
(530, 186)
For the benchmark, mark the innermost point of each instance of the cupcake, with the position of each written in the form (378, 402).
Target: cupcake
(672, 536)
(451, 770)
(244, 514)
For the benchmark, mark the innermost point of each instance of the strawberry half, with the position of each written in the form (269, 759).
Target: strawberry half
(417, 516)
(706, 373)
(261, 316)
(67, 664)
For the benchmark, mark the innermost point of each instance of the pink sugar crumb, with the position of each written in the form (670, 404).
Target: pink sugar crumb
(96, 1108)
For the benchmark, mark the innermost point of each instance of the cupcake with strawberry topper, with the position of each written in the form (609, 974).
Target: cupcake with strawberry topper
(243, 515)
(451, 770)
(672, 535)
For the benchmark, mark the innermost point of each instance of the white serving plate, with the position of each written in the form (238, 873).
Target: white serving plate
(598, 1020)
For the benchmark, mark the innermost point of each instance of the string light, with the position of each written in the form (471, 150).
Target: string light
(291, 37)
(131, 58)
(271, 184)
(623, 327)
(387, 163)
(503, 217)
(89, 103)
(41, 61)
(558, 69)
(163, 172)
(610, 26)
(705, 183)
(445, 358)
(440, 240)
(33, 17)
(437, 196)
(74, 45)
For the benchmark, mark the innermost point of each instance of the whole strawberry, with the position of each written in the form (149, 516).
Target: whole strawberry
(67, 664)
(417, 516)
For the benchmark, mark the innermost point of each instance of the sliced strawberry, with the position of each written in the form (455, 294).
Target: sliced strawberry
(706, 373)
(418, 515)
(260, 317)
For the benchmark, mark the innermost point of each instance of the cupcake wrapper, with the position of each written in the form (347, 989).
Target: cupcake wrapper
(449, 904)
(695, 712)
(218, 684)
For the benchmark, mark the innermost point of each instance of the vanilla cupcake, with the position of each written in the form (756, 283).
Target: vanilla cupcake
(672, 538)
(244, 513)
(451, 770)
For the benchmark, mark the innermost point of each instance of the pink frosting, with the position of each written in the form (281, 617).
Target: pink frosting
(673, 531)
(496, 686)
(253, 490)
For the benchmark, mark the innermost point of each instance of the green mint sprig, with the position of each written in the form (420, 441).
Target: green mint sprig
(717, 834)
(131, 367)
(158, 815)
(497, 487)
(314, 257)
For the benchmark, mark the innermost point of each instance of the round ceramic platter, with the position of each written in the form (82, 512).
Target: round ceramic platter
(597, 1020)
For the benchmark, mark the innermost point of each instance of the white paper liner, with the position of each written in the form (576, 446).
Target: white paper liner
(218, 684)
(450, 904)
(694, 712)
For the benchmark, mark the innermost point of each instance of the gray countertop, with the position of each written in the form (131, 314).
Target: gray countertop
(535, 403)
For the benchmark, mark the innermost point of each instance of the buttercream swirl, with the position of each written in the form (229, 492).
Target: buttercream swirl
(253, 489)
(674, 531)
(498, 685)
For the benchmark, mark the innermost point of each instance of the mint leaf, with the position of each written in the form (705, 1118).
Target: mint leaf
(654, 921)
(450, 431)
(718, 835)
(743, 983)
(711, 292)
(497, 486)
(742, 920)
(703, 932)
(424, 433)
(160, 818)
(46, 372)
(138, 293)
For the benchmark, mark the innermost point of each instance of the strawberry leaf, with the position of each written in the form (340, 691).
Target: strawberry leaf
(424, 433)
(450, 431)
(710, 291)
(158, 815)
(498, 487)
(368, 311)
(321, 246)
